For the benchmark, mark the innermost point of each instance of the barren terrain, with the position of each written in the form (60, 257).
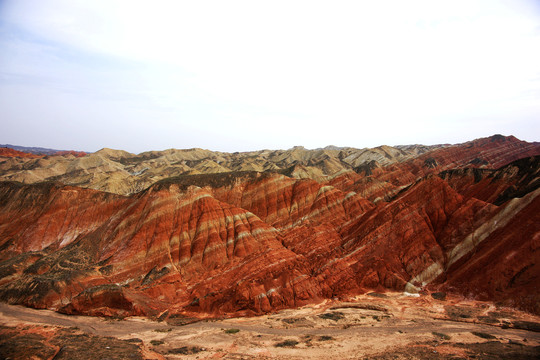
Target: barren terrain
(374, 326)
(273, 254)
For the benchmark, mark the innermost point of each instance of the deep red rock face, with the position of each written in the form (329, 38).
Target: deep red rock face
(505, 267)
(50, 215)
(250, 243)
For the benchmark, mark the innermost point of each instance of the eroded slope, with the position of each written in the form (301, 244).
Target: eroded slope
(250, 242)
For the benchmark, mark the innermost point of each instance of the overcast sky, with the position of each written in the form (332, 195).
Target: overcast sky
(247, 75)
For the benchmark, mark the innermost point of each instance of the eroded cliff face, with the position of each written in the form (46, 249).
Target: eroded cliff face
(250, 242)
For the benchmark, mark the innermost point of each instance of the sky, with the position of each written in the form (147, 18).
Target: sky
(250, 75)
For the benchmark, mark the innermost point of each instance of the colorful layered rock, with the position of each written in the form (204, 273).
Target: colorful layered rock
(251, 242)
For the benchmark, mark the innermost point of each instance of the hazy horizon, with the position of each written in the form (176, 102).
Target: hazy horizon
(253, 150)
(244, 76)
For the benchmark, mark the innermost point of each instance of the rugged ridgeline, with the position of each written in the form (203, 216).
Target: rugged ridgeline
(124, 173)
(284, 229)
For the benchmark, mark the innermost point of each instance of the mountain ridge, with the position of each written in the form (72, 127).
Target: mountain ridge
(124, 173)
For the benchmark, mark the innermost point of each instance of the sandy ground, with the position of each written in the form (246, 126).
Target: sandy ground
(392, 326)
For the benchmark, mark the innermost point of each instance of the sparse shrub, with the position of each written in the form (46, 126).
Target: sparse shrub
(441, 335)
(186, 350)
(376, 294)
(287, 343)
(488, 319)
(163, 330)
(156, 342)
(231, 331)
(332, 316)
(483, 335)
(325, 338)
(459, 312)
(134, 340)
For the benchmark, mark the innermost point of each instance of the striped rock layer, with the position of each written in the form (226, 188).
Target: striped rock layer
(246, 243)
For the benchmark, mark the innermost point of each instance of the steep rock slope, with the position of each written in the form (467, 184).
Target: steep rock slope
(503, 261)
(249, 242)
(506, 248)
(149, 235)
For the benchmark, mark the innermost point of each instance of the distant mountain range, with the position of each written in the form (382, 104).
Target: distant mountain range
(38, 150)
(125, 173)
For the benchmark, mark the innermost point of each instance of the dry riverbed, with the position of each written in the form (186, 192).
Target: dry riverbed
(376, 326)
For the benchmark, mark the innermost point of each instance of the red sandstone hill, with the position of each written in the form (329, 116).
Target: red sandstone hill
(462, 218)
(9, 153)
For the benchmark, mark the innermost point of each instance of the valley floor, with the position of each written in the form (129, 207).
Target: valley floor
(375, 326)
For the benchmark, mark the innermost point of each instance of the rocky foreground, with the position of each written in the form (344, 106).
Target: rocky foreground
(302, 227)
(374, 326)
